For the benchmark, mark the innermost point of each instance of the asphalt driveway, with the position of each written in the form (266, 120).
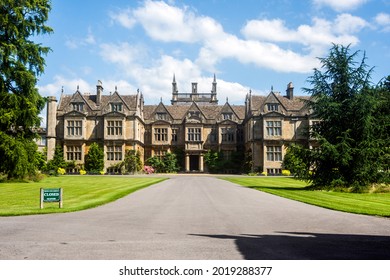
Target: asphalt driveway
(197, 217)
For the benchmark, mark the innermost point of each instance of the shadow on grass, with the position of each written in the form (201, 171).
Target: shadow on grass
(280, 188)
(309, 246)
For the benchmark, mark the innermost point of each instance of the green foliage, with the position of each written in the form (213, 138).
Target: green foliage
(156, 163)
(132, 161)
(21, 61)
(57, 161)
(298, 162)
(19, 156)
(350, 144)
(94, 160)
(168, 164)
(212, 159)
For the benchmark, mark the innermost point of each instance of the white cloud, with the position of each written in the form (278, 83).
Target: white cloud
(383, 20)
(124, 18)
(122, 53)
(340, 5)
(75, 43)
(167, 23)
(316, 37)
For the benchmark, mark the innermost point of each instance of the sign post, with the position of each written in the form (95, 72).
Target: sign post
(51, 195)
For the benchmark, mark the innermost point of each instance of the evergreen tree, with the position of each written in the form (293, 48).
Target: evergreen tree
(21, 62)
(345, 102)
(94, 160)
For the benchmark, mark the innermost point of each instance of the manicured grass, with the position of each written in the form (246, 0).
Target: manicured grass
(79, 192)
(377, 204)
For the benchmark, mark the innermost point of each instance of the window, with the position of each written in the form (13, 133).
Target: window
(227, 135)
(174, 134)
(160, 153)
(114, 152)
(213, 135)
(79, 106)
(274, 171)
(273, 106)
(274, 153)
(161, 116)
(114, 127)
(274, 128)
(161, 134)
(227, 116)
(73, 152)
(193, 134)
(74, 128)
(116, 107)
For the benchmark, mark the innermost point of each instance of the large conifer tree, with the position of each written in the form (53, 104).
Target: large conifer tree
(345, 101)
(21, 62)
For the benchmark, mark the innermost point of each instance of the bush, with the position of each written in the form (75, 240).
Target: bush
(148, 169)
(83, 172)
(286, 172)
(61, 171)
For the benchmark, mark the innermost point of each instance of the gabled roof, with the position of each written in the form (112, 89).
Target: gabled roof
(298, 103)
(129, 101)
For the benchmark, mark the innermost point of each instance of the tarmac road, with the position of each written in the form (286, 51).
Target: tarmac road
(197, 217)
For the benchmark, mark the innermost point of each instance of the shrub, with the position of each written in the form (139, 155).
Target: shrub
(148, 169)
(61, 171)
(264, 173)
(286, 172)
(83, 172)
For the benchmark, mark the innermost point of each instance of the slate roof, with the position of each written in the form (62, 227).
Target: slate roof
(297, 104)
(129, 100)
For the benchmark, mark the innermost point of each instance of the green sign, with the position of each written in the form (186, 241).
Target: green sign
(51, 195)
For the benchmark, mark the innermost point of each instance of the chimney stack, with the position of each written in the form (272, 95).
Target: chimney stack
(99, 92)
(290, 91)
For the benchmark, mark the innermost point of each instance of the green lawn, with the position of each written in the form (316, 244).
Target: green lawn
(79, 192)
(377, 204)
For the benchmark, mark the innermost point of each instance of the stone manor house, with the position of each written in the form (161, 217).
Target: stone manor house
(194, 122)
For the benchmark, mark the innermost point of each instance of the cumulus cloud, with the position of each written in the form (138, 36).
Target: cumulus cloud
(340, 5)
(317, 37)
(75, 43)
(383, 20)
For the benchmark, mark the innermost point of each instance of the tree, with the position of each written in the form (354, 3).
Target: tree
(57, 161)
(132, 161)
(170, 163)
(94, 160)
(21, 62)
(212, 158)
(345, 102)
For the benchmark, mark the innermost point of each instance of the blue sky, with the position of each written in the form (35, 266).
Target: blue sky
(248, 44)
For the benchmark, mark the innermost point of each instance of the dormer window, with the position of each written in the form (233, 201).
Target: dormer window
(78, 106)
(161, 116)
(116, 107)
(194, 114)
(273, 106)
(227, 116)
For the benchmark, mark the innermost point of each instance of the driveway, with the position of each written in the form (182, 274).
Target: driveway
(197, 217)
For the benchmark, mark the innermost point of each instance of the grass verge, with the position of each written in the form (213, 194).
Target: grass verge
(377, 204)
(79, 193)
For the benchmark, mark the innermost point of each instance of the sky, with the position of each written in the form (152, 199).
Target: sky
(250, 45)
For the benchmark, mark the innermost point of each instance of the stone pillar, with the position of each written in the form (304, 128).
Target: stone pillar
(187, 162)
(51, 123)
(201, 169)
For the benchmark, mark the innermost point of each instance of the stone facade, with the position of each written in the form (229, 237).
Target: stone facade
(193, 123)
